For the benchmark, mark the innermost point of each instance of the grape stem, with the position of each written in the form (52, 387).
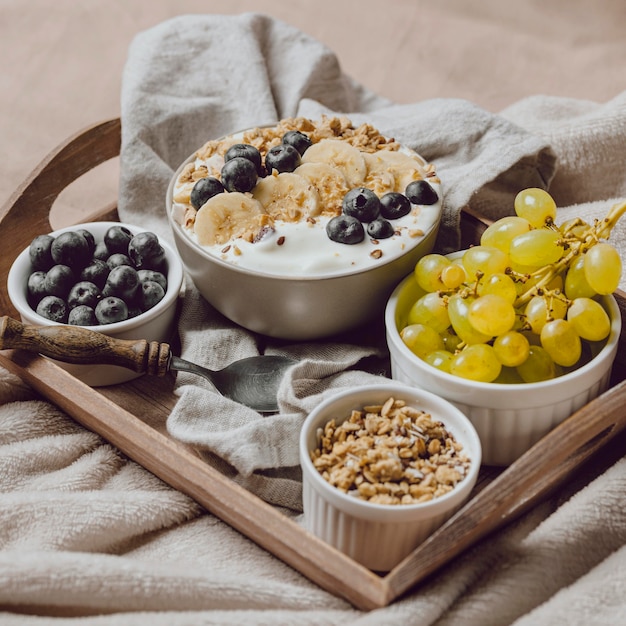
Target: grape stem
(575, 246)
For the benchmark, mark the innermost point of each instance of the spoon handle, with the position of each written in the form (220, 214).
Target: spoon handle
(76, 344)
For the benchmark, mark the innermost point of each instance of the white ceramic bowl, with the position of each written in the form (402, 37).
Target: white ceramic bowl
(509, 418)
(379, 536)
(156, 324)
(302, 307)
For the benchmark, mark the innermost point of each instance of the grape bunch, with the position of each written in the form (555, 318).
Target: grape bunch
(522, 306)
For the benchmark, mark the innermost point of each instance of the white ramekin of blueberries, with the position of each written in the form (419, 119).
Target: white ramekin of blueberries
(118, 279)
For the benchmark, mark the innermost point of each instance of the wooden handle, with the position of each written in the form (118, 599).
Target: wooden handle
(75, 344)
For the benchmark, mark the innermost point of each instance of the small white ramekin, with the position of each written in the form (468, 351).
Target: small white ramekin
(509, 418)
(156, 324)
(379, 536)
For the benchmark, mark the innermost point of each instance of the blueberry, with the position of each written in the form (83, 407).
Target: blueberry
(298, 140)
(380, 228)
(282, 158)
(53, 308)
(151, 275)
(70, 248)
(204, 189)
(101, 251)
(83, 292)
(96, 272)
(117, 239)
(110, 310)
(146, 252)
(394, 205)
(420, 192)
(345, 229)
(59, 280)
(82, 315)
(151, 294)
(247, 151)
(40, 252)
(361, 203)
(89, 238)
(117, 259)
(36, 288)
(239, 174)
(123, 282)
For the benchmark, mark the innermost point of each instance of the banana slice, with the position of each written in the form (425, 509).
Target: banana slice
(341, 155)
(330, 183)
(402, 167)
(228, 216)
(379, 178)
(287, 197)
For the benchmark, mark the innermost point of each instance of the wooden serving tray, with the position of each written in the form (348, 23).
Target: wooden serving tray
(132, 417)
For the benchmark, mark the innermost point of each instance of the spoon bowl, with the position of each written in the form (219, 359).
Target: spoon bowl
(252, 381)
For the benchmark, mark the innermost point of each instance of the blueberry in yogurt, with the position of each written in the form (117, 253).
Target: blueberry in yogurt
(420, 192)
(345, 229)
(361, 203)
(298, 140)
(205, 189)
(394, 205)
(247, 151)
(380, 228)
(282, 158)
(239, 174)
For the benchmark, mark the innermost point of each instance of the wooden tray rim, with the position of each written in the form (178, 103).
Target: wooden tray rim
(179, 467)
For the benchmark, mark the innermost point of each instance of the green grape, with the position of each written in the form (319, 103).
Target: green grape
(491, 315)
(537, 367)
(428, 272)
(502, 231)
(485, 260)
(476, 362)
(453, 275)
(542, 309)
(511, 348)
(450, 340)
(603, 268)
(535, 205)
(589, 319)
(561, 341)
(508, 376)
(441, 359)
(421, 339)
(576, 285)
(500, 285)
(575, 227)
(458, 309)
(536, 248)
(431, 310)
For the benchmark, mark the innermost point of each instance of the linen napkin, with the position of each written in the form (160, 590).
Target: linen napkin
(195, 78)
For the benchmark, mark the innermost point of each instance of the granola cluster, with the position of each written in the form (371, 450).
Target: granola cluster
(364, 137)
(390, 454)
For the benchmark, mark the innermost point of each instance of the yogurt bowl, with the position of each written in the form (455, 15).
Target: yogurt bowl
(287, 278)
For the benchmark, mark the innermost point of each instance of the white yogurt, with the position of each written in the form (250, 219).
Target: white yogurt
(302, 249)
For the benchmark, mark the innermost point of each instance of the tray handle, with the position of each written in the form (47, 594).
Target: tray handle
(27, 212)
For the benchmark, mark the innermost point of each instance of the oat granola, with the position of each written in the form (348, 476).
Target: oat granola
(390, 454)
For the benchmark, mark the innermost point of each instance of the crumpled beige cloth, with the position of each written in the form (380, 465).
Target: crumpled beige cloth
(83, 531)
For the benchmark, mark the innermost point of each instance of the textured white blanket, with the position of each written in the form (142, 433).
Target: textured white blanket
(84, 532)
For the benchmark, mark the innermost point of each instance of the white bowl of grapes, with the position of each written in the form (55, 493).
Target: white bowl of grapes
(118, 279)
(519, 331)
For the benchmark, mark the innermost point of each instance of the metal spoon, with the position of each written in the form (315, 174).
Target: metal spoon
(252, 381)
